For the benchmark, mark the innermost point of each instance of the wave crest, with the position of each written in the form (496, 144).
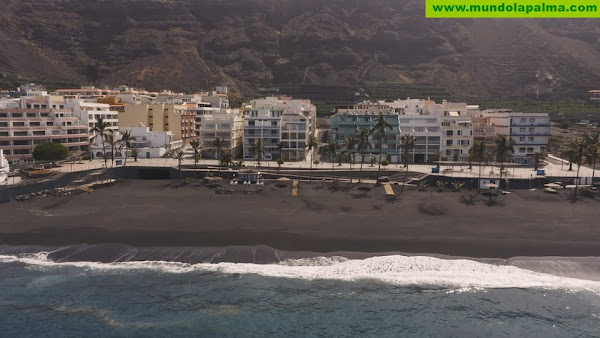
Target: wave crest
(394, 270)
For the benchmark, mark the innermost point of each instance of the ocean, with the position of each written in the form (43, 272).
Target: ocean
(387, 296)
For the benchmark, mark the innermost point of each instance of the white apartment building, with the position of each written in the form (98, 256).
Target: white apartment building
(415, 118)
(279, 119)
(36, 119)
(262, 124)
(225, 124)
(89, 113)
(457, 136)
(529, 131)
(150, 144)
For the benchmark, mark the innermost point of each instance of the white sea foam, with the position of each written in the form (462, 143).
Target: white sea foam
(419, 271)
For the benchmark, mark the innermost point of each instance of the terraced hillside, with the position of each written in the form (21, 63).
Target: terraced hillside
(189, 45)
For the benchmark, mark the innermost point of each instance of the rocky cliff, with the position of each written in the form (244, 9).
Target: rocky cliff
(190, 45)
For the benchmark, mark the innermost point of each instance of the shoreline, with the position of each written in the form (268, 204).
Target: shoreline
(584, 268)
(321, 219)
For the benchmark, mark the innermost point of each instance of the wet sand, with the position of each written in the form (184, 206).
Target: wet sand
(319, 219)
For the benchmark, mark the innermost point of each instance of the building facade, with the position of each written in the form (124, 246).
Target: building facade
(530, 132)
(161, 117)
(23, 129)
(275, 120)
(228, 126)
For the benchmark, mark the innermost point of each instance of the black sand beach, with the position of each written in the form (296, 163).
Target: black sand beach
(320, 219)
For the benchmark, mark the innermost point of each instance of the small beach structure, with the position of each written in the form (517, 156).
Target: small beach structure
(249, 176)
(388, 189)
(295, 188)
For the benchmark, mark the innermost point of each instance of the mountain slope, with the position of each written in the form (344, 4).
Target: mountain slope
(191, 45)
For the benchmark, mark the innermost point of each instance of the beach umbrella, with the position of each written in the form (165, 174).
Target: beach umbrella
(283, 179)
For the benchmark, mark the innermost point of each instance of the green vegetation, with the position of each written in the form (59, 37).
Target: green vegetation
(401, 90)
(50, 151)
(575, 109)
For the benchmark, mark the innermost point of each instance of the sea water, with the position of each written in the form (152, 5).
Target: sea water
(320, 296)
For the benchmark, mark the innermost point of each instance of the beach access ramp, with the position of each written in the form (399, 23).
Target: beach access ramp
(388, 189)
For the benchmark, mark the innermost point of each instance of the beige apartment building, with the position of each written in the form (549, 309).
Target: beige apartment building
(161, 117)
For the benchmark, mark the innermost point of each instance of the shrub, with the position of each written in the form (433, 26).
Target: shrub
(316, 162)
(440, 185)
(385, 163)
(373, 161)
(458, 185)
(50, 151)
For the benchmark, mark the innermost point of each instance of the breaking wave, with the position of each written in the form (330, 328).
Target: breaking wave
(400, 270)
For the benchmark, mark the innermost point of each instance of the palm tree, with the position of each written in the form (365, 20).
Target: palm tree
(505, 146)
(258, 150)
(311, 145)
(478, 153)
(100, 129)
(135, 152)
(538, 158)
(350, 145)
(593, 151)
(578, 151)
(196, 147)
(280, 146)
(109, 139)
(219, 144)
(330, 151)
(126, 141)
(179, 155)
(362, 144)
(227, 157)
(381, 124)
(408, 142)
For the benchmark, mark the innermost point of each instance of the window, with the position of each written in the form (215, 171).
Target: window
(532, 120)
(450, 132)
(523, 130)
(448, 152)
(521, 150)
(285, 135)
(523, 120)
(34, 124)
(531, 139)
(251, 123)
(49, 124)
(521, 138)
(531, 130)
(18, 124)
(273, 123)
(30, 114)
(530, 150)
(448, 142)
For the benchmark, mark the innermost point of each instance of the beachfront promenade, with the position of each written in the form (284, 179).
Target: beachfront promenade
(553, 167)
